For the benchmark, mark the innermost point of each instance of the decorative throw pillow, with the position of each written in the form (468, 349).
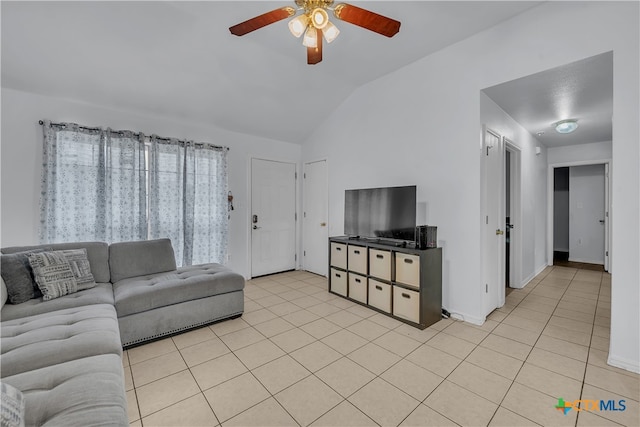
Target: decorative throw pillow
(18, 276)
(79, 263)
(12, 406)
(53, 274)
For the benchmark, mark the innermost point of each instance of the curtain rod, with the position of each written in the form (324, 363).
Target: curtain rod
(41, 123)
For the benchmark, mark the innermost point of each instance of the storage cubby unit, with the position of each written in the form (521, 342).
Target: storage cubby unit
(397, 280)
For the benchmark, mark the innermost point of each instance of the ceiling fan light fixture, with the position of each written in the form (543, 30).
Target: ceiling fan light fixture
(310, 37)
(298, 24)
(566, 126)
(330, 32)
(319, 18)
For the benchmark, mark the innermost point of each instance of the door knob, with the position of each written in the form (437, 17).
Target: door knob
(255, 227)
(602, 221)
(499, 232)
(323, 224)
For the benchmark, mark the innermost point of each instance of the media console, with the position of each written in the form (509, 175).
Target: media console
(394, 279)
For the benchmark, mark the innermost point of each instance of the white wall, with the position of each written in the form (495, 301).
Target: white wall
(586, 208)
(561, 210)
(22, 157)
(421, 125)
(595, 151)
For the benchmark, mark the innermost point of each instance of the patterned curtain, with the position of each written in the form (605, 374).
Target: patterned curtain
(188, 199)
(93, 185)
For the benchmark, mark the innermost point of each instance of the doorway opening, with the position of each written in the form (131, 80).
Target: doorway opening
(513, 216)
(579, 211)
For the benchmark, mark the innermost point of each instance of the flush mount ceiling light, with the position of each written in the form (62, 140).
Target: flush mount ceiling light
(566, 126)
(314, 23)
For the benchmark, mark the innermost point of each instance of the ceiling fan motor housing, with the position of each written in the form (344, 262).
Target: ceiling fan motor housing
(309, 5)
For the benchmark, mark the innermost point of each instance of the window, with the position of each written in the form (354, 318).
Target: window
(118, 185)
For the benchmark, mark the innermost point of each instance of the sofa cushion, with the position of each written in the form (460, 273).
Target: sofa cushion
(48, 339)
(132, 259)
(144, 293)
(18, 275)
(101, 294)
(53, 274)
(88, 391)
(97, 253)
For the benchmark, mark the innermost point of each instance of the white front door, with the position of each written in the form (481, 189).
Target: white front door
(315, 225)
(273, 217)
(493, 221)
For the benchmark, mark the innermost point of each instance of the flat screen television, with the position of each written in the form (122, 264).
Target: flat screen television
(383, 213)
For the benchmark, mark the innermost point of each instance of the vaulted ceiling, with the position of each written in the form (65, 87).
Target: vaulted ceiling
(178, 59)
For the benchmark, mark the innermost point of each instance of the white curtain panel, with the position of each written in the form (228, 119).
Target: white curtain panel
(188, 199)
(111, 186)
(93, 185)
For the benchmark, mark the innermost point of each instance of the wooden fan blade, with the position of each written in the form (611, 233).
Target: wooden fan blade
(314, 54)
(367, 19)
(262, 21)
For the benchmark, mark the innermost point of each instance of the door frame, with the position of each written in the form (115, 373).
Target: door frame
(304, 204)
(608, 217)
(250, 208)
(515, 252)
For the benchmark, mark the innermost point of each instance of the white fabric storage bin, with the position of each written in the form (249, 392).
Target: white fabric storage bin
(339, 255)
(358, 287)
(339, 282)
(408, 269)
(357, 259)
(380, 264)
(380, 295)
(406, 304)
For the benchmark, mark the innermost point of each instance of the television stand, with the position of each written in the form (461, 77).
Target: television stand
(389, 276)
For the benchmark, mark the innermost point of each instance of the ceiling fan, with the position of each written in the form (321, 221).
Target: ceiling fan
(314, 23)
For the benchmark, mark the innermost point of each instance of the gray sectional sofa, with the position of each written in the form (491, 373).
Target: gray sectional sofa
(64, 355)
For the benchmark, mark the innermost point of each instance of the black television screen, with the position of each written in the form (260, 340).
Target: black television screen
(385, 213)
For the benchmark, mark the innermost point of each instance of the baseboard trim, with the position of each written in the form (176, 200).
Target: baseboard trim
(586, 261)
(533, 276)
(627, 365)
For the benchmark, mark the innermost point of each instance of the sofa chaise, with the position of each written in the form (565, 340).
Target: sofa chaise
(64, 354)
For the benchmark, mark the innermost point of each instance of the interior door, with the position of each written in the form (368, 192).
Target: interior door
(494, 221)
(587, 220)
(315, 225)
(273, 217)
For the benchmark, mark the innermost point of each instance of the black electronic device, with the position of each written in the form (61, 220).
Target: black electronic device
(426, 236)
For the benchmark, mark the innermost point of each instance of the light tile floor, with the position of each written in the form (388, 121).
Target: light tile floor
(302, 356)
